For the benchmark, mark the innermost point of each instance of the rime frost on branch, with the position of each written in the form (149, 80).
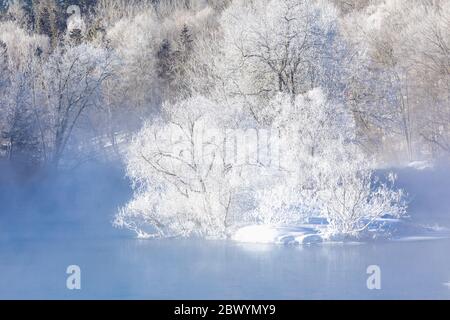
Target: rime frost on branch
(187, 183)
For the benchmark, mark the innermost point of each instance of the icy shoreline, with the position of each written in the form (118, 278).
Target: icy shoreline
(385, 229)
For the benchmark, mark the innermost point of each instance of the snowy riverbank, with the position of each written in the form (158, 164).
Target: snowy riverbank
(386, 229)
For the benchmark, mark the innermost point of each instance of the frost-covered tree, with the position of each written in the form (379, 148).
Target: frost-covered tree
(403, 48)
(71, 82)
(332, 85)
(18, 12)
(20, 121)
(288, 46)
(47, 20)
(183, 186)
(135, 42)
(185, 183)
(351, 197)
(325, 171)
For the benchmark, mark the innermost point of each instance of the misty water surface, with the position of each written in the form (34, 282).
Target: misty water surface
(47, 226)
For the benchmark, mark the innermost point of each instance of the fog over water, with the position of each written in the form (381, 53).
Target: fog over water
(269, 121)
(48, 225)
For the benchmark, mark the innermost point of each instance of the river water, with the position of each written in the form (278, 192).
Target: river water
(193, 269)
(46, 228)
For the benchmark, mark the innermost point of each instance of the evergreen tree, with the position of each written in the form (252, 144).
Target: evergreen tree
(182, 56)
(165, 65)
(76, 36)
(46, 19)
(3, 59)
(186, 39)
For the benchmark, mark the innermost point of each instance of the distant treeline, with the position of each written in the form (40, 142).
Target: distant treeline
(73, 76)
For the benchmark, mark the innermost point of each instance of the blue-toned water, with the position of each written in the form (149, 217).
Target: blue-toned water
(45, 228)
(133, 269)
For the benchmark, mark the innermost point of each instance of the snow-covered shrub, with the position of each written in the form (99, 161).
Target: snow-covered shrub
(186, 184)
(325, 171)
(183, 185)
(281, 204)
(351, 196)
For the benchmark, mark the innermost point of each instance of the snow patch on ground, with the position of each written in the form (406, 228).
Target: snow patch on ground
(421, 165)
(278, 235)
(315, 232)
